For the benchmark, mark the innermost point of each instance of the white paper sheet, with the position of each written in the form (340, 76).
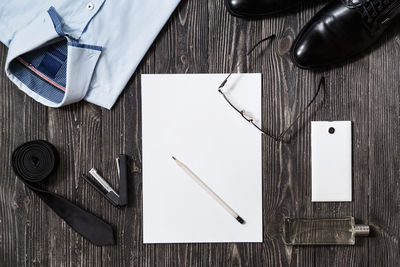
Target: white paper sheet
(185, 116)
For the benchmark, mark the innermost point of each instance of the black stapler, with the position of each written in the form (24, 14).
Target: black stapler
(117, 199)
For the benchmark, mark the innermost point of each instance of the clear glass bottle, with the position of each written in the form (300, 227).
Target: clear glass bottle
(322, 231)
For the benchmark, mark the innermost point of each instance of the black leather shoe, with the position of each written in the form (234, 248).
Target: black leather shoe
(256, 8)
(341, 30)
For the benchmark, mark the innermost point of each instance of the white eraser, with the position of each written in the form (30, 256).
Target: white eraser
(331, 161)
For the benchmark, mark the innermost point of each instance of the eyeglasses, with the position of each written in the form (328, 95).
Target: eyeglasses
(250, 119)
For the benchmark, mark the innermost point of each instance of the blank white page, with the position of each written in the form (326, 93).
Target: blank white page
(185, 116)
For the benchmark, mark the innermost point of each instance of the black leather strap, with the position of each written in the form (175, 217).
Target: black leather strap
(35, 161)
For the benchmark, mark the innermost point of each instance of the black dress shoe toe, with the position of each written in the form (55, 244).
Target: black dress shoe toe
(312, 51)
(256, 8)
(341, 30)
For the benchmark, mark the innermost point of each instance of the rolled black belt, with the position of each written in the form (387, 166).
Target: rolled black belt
(35, 161)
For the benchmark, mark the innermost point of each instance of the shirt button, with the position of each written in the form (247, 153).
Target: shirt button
(90, 6)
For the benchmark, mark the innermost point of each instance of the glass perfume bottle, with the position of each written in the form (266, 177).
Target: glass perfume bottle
(322, 231)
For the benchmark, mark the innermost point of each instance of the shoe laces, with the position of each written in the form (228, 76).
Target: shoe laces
(370, 9)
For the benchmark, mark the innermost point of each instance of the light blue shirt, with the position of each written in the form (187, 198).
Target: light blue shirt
(63, 51)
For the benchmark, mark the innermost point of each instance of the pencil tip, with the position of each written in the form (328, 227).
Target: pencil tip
(240, 219)
(173, 157)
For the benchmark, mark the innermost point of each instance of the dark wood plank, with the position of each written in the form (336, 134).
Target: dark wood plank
(384, 151)
(24, 214)
(75, 132)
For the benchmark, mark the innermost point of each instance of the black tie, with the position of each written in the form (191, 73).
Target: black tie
(37, 160)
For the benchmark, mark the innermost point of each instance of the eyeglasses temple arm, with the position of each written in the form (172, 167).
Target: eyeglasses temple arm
(321, 85)
(271, 37)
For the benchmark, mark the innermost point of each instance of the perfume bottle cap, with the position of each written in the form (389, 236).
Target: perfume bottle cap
(361, 230)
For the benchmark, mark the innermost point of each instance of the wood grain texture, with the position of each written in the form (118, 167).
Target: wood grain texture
(201, 37)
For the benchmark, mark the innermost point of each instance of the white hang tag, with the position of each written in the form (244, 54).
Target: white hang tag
(331, 161)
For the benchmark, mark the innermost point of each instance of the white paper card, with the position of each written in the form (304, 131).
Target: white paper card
(331, 161)
(185, 116)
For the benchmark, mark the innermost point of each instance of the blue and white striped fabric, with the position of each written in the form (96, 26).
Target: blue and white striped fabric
(61, 51)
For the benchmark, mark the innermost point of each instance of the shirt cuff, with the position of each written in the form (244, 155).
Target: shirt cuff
(48, 65)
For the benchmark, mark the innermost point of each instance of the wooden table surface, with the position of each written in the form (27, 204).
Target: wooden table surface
(201, 37)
